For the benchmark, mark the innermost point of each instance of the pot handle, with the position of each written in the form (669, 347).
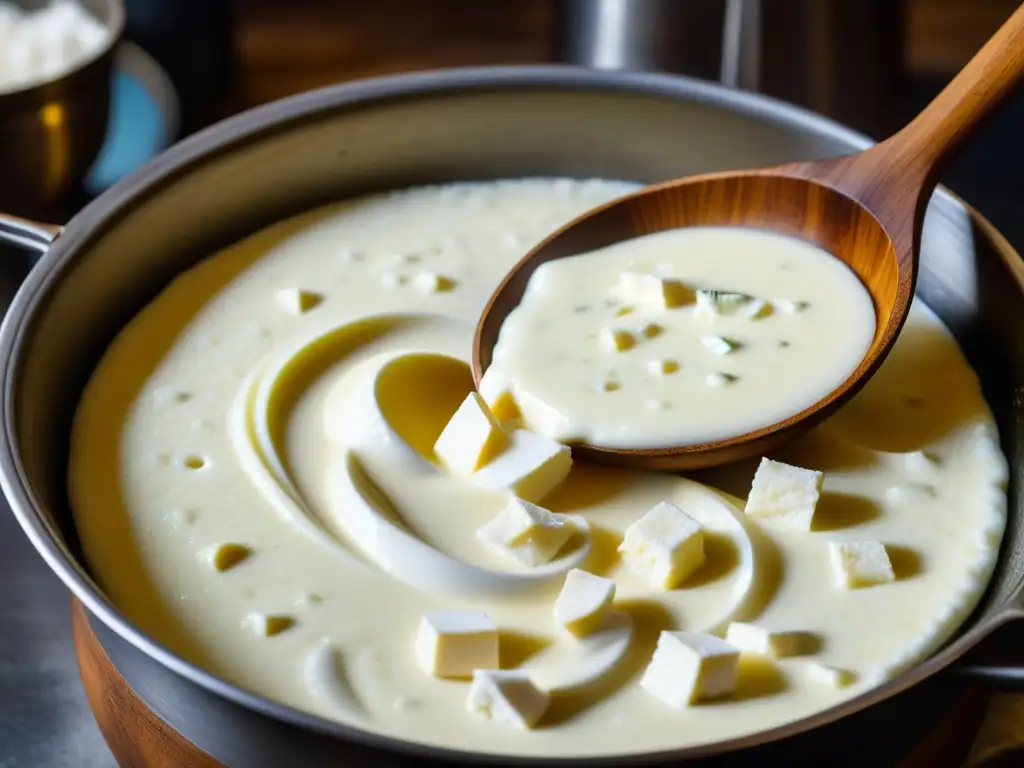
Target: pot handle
(997, 661)
(996, 674)
(27, 234)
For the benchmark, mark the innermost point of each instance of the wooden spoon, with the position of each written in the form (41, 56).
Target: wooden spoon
(867, 209)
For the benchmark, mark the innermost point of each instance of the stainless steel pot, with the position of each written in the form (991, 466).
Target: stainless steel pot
(243, 173)
(51, 133)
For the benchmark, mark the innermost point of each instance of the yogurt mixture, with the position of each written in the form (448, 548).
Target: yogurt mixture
(682, 337)
(44, 44)
(254, 483)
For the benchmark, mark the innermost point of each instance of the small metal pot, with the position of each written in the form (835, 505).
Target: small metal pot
(248, 171)
(51, 133)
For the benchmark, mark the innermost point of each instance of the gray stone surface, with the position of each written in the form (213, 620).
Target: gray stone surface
(45, 720)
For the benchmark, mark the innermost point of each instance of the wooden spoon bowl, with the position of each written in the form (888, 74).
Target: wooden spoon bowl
(866, 209)
(783, 204)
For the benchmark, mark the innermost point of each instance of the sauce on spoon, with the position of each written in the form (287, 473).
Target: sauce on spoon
(681, 337)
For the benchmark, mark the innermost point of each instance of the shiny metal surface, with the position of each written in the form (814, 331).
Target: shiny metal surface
(27, 234)
(643, 35)
(840, 58)
(254, 168)
(50, 134)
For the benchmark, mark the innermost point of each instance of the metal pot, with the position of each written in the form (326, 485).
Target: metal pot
(51, 133)
(841, 59)
(248, 171)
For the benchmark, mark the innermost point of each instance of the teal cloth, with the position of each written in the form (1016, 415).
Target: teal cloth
(135, 135)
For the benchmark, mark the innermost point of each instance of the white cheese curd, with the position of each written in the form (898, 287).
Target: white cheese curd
(529, 533)
(779, 321)
(256, 486)
(666, 545)
(472, 438)
(46, 43)
(506, 697)
(690, 667)
(784, 492)
(455, 643)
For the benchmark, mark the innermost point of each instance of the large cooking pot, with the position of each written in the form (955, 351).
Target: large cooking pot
(248, 171)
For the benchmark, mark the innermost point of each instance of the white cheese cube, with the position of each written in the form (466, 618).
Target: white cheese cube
(507, 697)
(496, 390)
(719, 344)
(456, 643)
(472, 438)
(530, 534)
(662, 367)
(616, 340)
(689, 667)
(297, 300)
(860, 564)
(785, 492)
(666, 545)
(430, 282)
(530, 467)
(540, 417)
(754, 639)
(830, 676)
(666, 292)
(583, 602)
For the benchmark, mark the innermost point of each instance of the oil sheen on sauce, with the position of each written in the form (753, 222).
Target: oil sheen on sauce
(682, 337)
(252, 482)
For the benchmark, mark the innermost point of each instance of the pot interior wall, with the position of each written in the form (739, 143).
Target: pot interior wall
(184, 213)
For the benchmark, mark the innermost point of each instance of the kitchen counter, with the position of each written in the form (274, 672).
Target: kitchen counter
(45, 721)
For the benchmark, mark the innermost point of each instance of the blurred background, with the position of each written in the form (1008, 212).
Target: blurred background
(867, 63)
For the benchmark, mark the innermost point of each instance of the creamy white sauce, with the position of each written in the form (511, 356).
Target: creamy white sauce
(791, 324)
(224, 413)
(47, 43)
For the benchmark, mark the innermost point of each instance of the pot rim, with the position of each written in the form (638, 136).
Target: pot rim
(122, 199)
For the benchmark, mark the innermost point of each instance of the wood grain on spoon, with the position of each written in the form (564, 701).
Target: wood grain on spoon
(866, 209)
